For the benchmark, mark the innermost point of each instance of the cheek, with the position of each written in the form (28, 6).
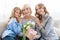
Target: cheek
(17, 14)
(42, 10)
(24, 12)
(38, 11)
(29, 10)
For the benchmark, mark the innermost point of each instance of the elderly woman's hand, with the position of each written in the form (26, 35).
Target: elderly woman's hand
(36, 37)
(31, 34)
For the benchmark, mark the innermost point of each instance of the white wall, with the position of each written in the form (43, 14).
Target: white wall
(6, 7)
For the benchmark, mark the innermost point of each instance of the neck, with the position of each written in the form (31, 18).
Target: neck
(26, 17)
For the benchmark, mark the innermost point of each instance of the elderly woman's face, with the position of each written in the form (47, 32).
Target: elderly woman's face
(17, 13)
(26, 11)
(39, 10)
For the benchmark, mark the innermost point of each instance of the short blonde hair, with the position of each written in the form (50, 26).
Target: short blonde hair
(26, 6)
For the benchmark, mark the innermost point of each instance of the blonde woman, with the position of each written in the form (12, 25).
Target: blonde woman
(46, 23)
(14, 25)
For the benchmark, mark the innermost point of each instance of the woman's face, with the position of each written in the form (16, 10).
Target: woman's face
(17, 13)
(26, 11)
(40, 10)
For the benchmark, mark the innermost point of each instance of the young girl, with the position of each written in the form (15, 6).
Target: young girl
(14, 25)
(45, 23)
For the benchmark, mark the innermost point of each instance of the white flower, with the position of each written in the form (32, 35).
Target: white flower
(28, 27)
(24, 25)
(33, 23)
(28, 22)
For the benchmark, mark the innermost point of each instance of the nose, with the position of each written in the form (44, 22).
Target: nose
(40, 10)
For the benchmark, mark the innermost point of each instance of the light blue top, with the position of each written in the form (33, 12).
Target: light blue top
(13, 28)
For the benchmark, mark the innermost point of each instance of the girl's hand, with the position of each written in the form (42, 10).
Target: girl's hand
(36, 37)
(38, 21)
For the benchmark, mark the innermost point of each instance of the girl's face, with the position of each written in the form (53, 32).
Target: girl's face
(17, 13)
(26, 11)
(40, 10)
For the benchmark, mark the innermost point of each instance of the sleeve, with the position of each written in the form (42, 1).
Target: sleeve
(10, 24)
(48, 26)
(12, 27)
(20, 34)
(38, 30)
(9, 27)
(7, 31)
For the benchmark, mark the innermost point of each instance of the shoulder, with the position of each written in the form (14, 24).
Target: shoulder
(12, 20)
(51, 18)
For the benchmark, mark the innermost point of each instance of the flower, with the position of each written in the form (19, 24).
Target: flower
(33, 23)
(28, 22)
(26, 27)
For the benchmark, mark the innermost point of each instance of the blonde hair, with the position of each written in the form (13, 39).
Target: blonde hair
(13, 12)
(26, 6)
(40, 6)
(45, 10)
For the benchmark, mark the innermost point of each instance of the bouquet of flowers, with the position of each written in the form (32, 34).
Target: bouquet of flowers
(28, 30)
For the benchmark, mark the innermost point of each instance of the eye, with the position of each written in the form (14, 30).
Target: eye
(27, 8)
(16, 12)
(23, 10)
(36, 9)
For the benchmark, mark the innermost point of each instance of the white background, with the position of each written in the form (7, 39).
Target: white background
(6, 6)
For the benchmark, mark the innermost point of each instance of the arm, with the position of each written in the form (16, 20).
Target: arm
(37, 28)
(48, 27)
(14, 27)
(7, 31)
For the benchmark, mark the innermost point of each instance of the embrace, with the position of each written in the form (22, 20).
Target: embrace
(28, 27)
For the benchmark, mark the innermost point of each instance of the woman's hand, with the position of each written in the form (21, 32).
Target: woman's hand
(38, 22)
(36, 37)
(31, 34)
